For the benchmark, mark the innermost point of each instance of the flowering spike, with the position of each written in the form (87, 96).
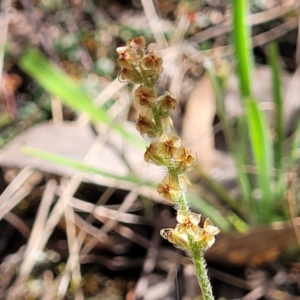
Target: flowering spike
(165, 149)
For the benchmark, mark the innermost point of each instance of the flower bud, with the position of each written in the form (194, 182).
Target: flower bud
(167, 124)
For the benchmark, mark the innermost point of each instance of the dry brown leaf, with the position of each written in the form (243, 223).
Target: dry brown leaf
(261, 245)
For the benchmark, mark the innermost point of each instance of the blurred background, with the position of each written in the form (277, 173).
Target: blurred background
(79, 213)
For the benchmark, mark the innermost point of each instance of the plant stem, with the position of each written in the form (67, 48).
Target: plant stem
(198, 259)
(182, 202)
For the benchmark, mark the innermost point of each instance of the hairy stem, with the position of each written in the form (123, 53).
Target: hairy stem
(197, 256)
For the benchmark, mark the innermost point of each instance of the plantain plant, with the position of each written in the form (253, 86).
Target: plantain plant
(144, 68)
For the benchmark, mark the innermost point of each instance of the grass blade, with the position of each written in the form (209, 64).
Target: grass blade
(79, 166)
(242, 44)
(56, 82)
(262, 152)
(203, 207)
(278, 101)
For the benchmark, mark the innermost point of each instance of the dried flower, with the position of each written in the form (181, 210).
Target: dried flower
(130, 75)
(152, 63)
(166, 103)
(167, 124)
(152, 155)
(188, 227)
(151, 68)
(146, 127)
(188, 222)
(129, 58)
(206, 238)
(169, 146)
(175, 237)
(137, 43)
(169, 189)
(184, 159)
(145, 95)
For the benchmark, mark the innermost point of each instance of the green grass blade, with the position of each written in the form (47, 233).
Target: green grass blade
(80, 166)
(56, 82)
(242, 44)
(294, 154)
(262, 153)
(201, 206)
(278, 101)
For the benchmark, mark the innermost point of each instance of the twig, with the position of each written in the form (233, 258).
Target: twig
(154, 24)
(255, 19)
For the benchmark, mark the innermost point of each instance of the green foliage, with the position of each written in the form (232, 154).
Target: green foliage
(79, 166)
(249, 138)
